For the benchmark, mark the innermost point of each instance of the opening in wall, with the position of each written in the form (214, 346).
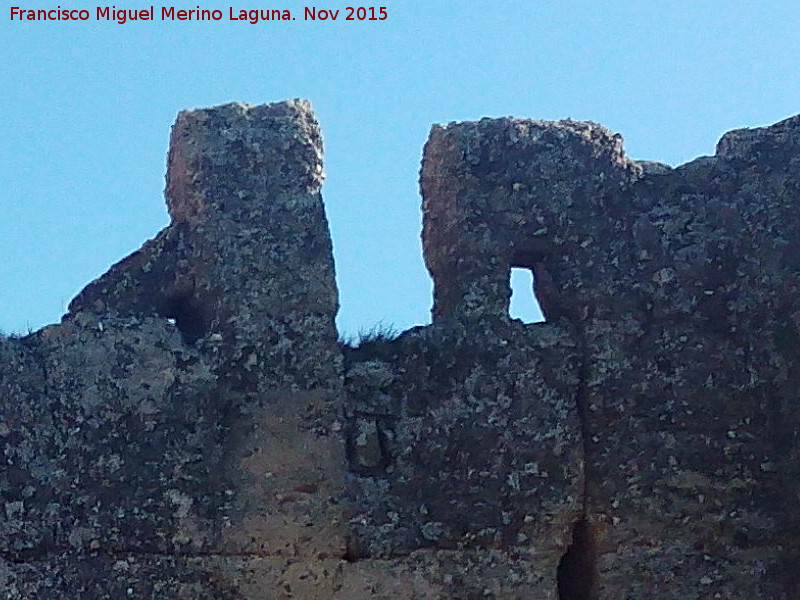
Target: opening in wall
(524, 305)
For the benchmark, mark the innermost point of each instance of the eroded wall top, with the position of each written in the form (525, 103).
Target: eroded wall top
(193, 429)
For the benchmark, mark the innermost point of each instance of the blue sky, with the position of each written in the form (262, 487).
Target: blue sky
(86, 111)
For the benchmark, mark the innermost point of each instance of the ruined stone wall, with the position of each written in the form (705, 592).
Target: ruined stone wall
(193, 429)
(680, 287)
(174, 436)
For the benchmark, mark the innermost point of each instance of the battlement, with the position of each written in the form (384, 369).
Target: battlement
(193, 429)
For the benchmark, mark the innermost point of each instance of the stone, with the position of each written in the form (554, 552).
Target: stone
(193, 429)
(679, 287)
(481, 454)
(190, 387)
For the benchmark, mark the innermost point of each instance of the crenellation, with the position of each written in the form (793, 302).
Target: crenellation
(193, 428)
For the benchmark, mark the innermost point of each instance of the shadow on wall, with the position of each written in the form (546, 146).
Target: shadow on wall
(576, 573)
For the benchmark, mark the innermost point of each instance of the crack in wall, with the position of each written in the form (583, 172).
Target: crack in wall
(577, 569)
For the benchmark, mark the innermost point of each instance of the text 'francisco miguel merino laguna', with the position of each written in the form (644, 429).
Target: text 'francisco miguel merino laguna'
(170, 13)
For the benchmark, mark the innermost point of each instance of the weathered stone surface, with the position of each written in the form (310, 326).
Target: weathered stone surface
(184, 406)
(245, 269)
(681, 288)
(192, 428)
(479, 449)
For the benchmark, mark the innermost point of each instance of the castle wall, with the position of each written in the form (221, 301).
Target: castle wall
(194, 429)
